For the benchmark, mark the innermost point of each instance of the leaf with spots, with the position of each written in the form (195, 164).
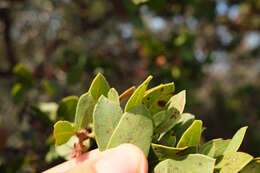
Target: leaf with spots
(215, 147)
(84, 111)
(191, 137)
(106, 116)
(165, 120)
(137, 97)
(166, 152)
(135, 127)
(195, 163)
(63, 131)
(252, 167)
(236, 141)
(178, 101)
(183, 124)
(233, 162)
(99, 87)
(113, 96)
(156, 98)
(67, 107)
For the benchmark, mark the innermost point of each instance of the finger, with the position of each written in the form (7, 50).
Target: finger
(125, 158)
(73, 162)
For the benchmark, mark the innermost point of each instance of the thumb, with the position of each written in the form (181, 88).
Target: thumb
(125, 158)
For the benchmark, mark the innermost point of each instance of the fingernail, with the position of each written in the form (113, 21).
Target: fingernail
(125, 158)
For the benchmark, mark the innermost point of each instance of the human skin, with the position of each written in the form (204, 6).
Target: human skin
(125, 158)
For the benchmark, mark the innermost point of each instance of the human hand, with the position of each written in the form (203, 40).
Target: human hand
(125, 158)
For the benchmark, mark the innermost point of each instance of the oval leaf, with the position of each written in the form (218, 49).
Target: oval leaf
(135, 127)
(165, 152)
(156, 98)
(216, 145)
(113, 96)
(137, 97)
(191, 137)
(67, 107)
(63, 131)
(99, 87)
(105, 118)
(195, 163)
(84, 111)
(233, 162)
(236, 141)
(178, 101)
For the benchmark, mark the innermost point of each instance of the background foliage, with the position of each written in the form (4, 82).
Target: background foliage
(50, 49)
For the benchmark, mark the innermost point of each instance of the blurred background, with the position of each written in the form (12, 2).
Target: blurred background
(50, 49)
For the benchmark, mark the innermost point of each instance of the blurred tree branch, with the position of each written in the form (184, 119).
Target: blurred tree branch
(9, 52)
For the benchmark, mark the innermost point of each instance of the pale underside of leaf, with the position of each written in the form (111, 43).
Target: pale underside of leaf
(105, 119)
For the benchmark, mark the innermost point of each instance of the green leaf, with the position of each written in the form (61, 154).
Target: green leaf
(67, 107)
(84, 111)
(236, 141)
(99, 87)
(216, 145)
(178, 101)
(168, 119)
(135, 127)
(233, 162)
(191, 137)
(23, 72)
(168, 139)
(63, 131)
(252, 167)
(105, 118)
(137, 97)
(51, 87)
(182, 124)
(195, 163)
(113, 96)
(18, 91)
(156, 98)
(139, 1)
(166, 152)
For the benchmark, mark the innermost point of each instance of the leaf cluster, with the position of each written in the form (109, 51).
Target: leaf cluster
(154, 121)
